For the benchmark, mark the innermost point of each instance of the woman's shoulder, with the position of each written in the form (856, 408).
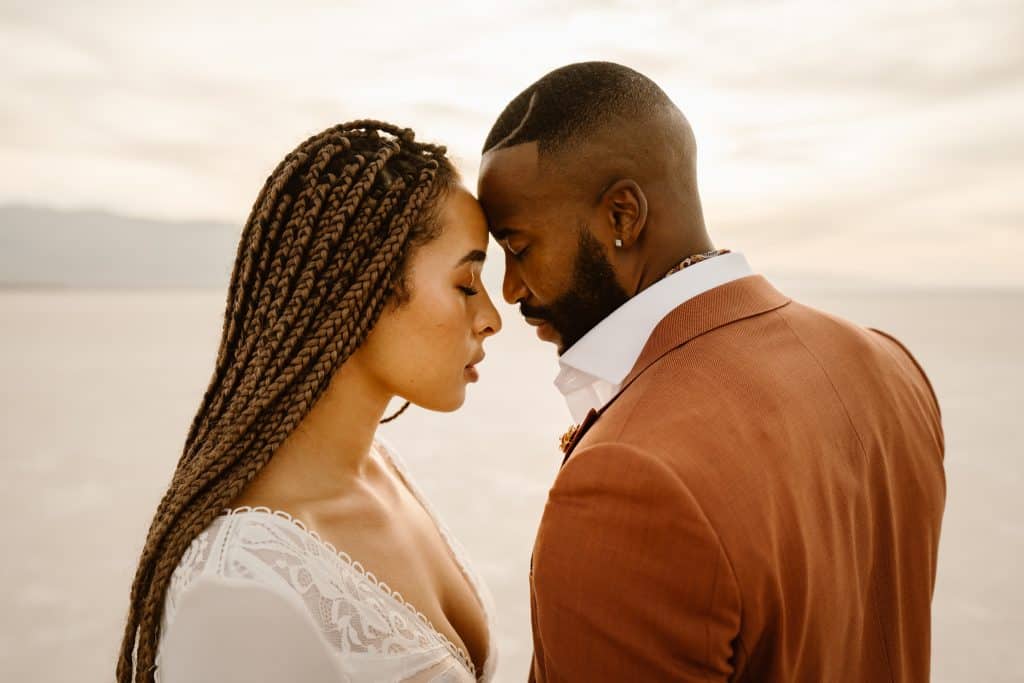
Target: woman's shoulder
(253, 543)
(223, 551)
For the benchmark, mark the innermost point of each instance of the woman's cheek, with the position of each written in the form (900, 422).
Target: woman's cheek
(427, 332)
(447, 307)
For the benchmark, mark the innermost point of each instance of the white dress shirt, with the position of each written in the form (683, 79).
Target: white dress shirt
(592, 369)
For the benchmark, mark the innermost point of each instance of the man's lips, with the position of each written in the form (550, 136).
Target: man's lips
(545, 330)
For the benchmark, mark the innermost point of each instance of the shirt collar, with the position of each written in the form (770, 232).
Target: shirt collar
(603, 357)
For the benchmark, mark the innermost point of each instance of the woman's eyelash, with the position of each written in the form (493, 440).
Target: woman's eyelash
(469, 291)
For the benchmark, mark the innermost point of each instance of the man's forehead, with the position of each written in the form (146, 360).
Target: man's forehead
(509, 168)
(512, 176)
(515, 187)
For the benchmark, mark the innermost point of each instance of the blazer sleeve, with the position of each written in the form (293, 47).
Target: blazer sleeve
(629, 580)
(237, 630)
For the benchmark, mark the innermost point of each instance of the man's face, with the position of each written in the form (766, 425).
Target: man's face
(556, 270)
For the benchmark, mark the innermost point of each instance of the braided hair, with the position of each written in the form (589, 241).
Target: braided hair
(323, 251)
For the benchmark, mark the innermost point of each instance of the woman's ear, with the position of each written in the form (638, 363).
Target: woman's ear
(626, 208)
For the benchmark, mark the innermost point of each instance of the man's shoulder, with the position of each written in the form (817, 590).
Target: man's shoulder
(722, 391)
(717, 369)
(689, 383)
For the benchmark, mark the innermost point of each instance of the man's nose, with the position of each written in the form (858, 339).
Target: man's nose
(512, 287)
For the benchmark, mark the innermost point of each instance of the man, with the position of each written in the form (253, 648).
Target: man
(756, 489)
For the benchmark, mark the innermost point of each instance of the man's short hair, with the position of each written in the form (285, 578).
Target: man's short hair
(566, 105)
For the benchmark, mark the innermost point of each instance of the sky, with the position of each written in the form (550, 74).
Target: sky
(876, 141)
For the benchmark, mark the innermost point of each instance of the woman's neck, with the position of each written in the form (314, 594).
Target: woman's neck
(330, 447)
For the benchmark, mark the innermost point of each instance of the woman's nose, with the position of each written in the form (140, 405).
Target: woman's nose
(490, 319)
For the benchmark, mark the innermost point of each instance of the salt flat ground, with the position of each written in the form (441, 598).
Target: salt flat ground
(98, 388)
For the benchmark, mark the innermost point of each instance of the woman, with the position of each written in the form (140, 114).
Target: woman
(291, 544)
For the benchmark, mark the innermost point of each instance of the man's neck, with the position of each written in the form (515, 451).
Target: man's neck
(663, 261)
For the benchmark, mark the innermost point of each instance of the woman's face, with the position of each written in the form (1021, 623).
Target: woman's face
(426, 350)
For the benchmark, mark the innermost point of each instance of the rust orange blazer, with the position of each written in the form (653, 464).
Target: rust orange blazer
(761, 502)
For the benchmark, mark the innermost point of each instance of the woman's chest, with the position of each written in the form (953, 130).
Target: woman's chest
(403, 548)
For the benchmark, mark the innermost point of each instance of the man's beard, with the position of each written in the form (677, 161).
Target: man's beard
(592, 296)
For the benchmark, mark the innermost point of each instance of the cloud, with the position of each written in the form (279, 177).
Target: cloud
(814, 119)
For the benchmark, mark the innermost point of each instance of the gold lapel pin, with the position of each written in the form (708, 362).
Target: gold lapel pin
(567, 438)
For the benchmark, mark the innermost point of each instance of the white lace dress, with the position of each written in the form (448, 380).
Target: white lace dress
(259, 597)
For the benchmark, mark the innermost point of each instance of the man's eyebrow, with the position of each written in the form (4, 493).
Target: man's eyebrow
(475, 256)
(503, 233)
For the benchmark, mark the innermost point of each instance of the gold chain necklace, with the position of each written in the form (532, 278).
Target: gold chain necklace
(696, 258)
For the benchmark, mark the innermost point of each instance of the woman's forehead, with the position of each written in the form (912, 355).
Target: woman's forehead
(463, 223)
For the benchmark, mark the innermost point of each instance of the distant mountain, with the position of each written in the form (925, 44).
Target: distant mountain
(42, 247)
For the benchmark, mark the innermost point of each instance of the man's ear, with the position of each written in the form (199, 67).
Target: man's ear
(627, 211)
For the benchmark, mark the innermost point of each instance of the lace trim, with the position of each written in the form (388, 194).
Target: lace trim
(456, 651)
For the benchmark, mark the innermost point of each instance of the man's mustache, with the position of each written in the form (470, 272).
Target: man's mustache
(536, 313)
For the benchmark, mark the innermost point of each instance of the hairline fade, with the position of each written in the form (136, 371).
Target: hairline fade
(566, 107)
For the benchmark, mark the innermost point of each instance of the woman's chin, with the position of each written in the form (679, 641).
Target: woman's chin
(448, 402)
(456, 402)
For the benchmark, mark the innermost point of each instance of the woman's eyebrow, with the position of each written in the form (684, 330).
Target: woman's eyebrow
(475, 256)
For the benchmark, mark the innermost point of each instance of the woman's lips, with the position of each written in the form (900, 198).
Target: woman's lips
(471, 372)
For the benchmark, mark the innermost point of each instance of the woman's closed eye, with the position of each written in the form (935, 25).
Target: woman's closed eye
(470, 290)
